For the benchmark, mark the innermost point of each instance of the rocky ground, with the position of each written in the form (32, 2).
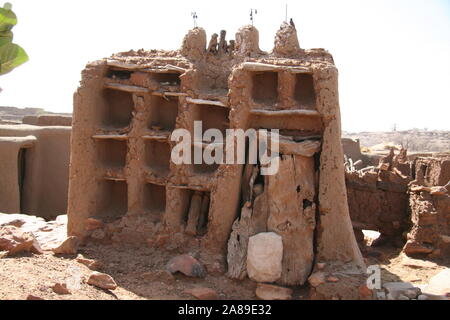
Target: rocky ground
(44, 268)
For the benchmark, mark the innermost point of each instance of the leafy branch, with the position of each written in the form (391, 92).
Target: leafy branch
(11, 54)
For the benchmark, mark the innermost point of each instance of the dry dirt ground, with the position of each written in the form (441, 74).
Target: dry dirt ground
(132, 269)
(28, 274)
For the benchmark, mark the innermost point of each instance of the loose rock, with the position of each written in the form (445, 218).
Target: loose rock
(60, 288)
(395, 289)
(203, 293)
(271, 292)
(316, 279)
(321, 265)
(68, 246)
(411, 294)
(102, 280)
(14, 240)
(90, 263)
(187, 265)
(332, 279)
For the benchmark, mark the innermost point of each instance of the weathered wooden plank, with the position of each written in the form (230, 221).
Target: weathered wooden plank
(294, 220)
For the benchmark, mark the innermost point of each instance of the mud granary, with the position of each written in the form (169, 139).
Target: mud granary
(124, 187)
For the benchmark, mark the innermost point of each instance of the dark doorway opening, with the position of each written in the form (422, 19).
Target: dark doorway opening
(21, 166)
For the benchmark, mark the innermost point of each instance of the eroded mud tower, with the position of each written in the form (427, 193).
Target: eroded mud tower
(122, 175)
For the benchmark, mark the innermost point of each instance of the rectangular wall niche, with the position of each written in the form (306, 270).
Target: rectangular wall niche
(212, 117)
(117, 108)
(157, 157)
(112, 153)
(119, 74)
(305, 94)
(203, 168)
(163, 113)
(111, 200)
(265, 87)
(167, 79)
(155, 199)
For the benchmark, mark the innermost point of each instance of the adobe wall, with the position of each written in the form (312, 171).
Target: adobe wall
(45, 181)
(378, 198)
(352, 149)
(47, 120)
(124, 188)
(429, 203)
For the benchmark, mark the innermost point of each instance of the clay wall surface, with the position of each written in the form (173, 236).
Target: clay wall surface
(432, 171)
(429, 204)
(430, 220)
(36, 169)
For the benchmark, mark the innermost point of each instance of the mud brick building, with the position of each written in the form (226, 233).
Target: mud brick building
(121, 174)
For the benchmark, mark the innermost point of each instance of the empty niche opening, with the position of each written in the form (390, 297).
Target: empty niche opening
(163, 113)
(112, 153)
(119, 74)
(118, 108)
(265, 87)
(112, 200)
(196, 213)
(157, 156)
(203, 168)
(305, 94)
(155, 199)
(212, 117)
(167, 79)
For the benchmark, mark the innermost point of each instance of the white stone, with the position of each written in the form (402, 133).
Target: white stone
(439, 284)
(264, 255)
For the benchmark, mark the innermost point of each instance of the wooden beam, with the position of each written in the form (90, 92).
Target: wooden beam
(261, 67)
(282, 113)
(206, 102)
(127, 88)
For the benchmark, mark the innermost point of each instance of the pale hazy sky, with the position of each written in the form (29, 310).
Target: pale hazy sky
(393, 56)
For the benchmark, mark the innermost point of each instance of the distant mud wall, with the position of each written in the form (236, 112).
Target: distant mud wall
(34, 169)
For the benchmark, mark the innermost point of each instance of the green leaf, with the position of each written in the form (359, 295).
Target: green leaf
(8, 19)
(11, 56)
(6, 37)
